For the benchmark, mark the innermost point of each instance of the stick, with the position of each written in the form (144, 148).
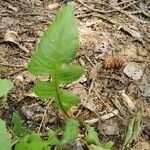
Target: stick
(43, 117)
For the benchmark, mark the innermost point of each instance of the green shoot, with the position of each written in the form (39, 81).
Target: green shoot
(93, 141)
(133, 128)
(53, 57)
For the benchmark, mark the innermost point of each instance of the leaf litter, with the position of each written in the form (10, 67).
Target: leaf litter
(96, 33)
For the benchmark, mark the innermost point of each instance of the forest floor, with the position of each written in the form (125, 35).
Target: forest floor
(114, 50)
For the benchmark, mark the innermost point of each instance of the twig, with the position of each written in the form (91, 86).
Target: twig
(110, 115)
(108, 107)
(84, 15)
(11, 65)
(43, 117)
(24, 14)
(141, 10)
(129, 102)
(95, 10)
(13, 73)
(115, 8)
(128, 1)
(104, 117)
(90, 61)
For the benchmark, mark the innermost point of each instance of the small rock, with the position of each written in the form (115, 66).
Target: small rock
(146, 91)
(90, 23)
(20, 78)
(133, 71)
(15, 9)
(28, 113)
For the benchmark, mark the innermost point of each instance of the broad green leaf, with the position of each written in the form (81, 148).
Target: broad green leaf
(4, 139)
(67, 99)
(19, 129)
(44, 89)
(91, 136)
(70, 73)
(71, 132)
(5, 86)
(52, 138)
(58, 45)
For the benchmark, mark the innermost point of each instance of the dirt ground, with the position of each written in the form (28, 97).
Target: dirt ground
(114, 50)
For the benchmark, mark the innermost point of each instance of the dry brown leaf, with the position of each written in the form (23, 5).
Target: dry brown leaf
(53, 6)
(93, 73)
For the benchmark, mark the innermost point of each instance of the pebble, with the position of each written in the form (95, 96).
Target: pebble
(133, 71)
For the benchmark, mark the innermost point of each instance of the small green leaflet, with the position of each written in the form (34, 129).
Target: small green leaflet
(45, 90)
(4, 139)
(93, 140)
(52, 138)
(71, 132)
(67, 99)
(5, 86)
(53, 56)
(19, 129)
(91, 136)
(69, 73)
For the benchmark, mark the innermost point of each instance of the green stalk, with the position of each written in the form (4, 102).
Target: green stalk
(58, 97)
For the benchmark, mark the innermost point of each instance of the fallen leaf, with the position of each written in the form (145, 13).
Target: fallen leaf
(53, 6)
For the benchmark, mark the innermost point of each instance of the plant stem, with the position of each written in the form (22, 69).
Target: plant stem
(58, 98)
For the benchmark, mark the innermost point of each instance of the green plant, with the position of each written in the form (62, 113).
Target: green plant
(133, 129)
(53, 57)
(93, 141)
(5, 87)
(34, 142)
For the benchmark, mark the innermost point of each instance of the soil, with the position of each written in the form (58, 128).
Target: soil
(114, 35)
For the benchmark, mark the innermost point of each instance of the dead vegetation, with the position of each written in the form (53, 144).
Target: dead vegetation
(114, 50)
